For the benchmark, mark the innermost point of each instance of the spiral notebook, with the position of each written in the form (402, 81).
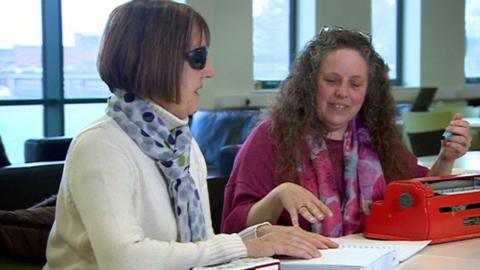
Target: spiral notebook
(404, 249)
(357, 252)
(347, 257)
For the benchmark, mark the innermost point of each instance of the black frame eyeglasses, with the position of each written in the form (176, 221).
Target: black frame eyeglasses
(197, 58)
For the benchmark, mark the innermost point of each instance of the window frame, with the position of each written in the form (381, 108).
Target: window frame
(273, 84)
(400, 19)
(52, 101)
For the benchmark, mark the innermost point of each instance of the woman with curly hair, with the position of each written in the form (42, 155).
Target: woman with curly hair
(330, 144)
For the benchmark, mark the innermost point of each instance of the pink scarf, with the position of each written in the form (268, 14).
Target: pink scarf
(363, 176)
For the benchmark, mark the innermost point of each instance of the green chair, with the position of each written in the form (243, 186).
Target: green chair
(466, 111)
(422, 131)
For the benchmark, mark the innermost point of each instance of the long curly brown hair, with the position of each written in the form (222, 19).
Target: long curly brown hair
(294, 110)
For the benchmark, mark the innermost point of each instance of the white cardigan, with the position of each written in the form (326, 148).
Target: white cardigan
(114, 211)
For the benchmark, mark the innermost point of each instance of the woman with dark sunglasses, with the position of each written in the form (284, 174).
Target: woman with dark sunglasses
(330, 144)
(134, 192)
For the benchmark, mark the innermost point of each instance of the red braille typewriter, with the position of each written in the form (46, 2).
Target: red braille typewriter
(440, 209)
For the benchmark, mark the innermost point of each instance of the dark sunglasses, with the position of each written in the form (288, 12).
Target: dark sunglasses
(197, 58)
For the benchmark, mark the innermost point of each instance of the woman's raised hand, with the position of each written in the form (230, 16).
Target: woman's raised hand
(287, 240)
(458, 144)
(453, 147)
(298, 200)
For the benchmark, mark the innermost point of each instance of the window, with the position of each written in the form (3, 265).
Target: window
(20, 54)
(65, 106)
(78, 116)
(26, 124)
(386, 34)
(272, 19)
(81, 40)
(472, 31)
(20, 74)
(271, 41)
(68, 102)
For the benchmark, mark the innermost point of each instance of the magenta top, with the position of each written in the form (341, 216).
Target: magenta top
(254, 176)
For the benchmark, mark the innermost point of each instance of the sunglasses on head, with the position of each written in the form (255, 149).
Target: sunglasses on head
(327, 29)
(197, 58)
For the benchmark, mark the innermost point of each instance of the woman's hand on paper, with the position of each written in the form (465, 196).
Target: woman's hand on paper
(287, 240)
(458, 144)
(299, 201)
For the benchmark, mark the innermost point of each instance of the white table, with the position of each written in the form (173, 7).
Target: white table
(470, 162)
(458, 255)
(473, 121)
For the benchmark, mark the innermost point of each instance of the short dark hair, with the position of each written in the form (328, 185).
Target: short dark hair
(143, 47)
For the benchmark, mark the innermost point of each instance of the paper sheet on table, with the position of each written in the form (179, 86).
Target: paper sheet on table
(405, 249)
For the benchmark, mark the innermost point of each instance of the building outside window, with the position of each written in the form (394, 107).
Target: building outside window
(385, 15)
(271, 41)
(81, 40)
(472, 31)
(20, 73)
(21, 70)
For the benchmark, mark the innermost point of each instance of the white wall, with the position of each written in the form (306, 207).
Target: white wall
(231, 52)
(443, 43)
(354, 14)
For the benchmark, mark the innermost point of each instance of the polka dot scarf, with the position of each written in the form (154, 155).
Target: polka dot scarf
(170, 149)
